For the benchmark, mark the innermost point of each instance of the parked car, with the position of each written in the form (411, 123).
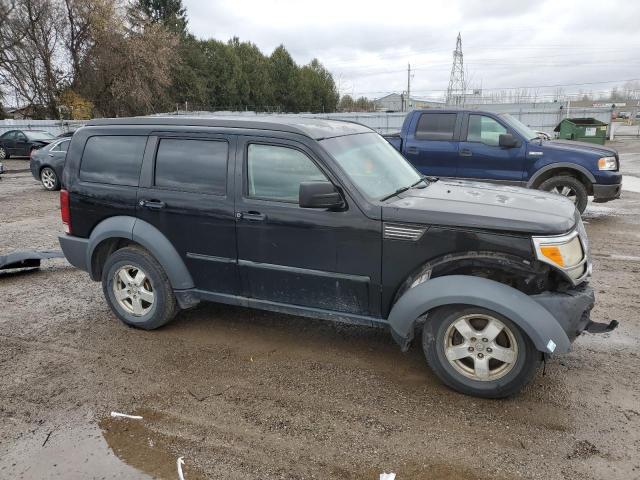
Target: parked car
(498, 148)
(325, 219)
(20, 143)
(47, 163)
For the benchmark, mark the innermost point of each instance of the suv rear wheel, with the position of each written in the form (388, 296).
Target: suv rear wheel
(137, 289)
(570, 187)
(478, 351)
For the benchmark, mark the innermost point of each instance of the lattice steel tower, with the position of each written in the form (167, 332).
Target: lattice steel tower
(457, 86)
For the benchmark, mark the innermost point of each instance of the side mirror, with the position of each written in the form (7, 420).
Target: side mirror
(506, 140)
(319, 195)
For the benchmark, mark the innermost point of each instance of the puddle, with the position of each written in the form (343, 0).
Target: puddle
(114, 448)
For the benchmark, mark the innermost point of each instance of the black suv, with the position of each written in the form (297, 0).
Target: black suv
(326, 219)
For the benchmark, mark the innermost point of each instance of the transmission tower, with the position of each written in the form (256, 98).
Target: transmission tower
(457, 86)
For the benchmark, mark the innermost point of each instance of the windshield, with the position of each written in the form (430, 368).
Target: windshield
(518, 126)
(39, 135)
(373, 165)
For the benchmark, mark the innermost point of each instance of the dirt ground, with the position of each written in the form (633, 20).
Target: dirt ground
(244, 394)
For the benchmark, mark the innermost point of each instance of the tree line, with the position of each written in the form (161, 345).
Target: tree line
(81, 58)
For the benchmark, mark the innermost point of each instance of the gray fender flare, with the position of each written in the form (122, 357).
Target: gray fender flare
(542, 328)
(565, 165)
(150, 238)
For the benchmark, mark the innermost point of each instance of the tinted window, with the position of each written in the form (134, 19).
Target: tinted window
(436, 126)
(484, 129)
(198, 165)
(276, 172)
(113, 159)
(61, 147)
(9, 135)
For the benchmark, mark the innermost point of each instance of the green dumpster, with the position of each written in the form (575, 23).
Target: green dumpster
(582, 129)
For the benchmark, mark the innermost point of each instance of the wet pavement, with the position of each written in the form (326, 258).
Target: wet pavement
(244, 394)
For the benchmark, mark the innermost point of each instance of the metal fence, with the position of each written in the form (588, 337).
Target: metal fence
(542, 117)
(54, 127)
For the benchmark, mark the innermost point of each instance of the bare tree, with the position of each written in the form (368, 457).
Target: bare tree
(28, 64)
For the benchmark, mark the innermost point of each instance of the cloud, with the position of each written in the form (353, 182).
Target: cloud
(506, 43)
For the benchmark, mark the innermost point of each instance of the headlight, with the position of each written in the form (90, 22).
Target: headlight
(564, 252)
(607, 163)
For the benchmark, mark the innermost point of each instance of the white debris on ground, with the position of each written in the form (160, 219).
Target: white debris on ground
(388, 476)
(179, 463)
(124, 415)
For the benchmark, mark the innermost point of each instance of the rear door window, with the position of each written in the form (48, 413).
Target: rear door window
(436, 126)
(192, 165)
(113, 159)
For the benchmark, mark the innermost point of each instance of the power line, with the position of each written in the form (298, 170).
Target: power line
(521, 87)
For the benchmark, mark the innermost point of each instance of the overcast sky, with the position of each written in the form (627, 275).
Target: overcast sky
(506, 43)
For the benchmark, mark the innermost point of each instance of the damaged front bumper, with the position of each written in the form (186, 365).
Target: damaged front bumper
(572, 310)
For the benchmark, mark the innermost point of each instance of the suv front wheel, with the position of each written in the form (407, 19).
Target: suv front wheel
(137, 289)
(478, 351)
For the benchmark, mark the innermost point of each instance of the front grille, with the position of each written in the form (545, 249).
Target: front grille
(394, 231)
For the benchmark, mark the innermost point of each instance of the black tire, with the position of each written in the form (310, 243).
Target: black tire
(558, 184)
(437, 328)
(50, 182)
(164, 306)
(6, 155)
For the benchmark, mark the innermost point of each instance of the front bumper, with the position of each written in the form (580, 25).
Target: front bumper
(605, 193)
(572, 310)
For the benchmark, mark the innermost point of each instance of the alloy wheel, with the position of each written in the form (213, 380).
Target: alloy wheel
(565, 191)
(3, 153)
(480, 347)
(48, 178)
(133, 290)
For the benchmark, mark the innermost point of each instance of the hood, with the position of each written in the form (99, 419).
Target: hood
(482, 205)
(583, 147)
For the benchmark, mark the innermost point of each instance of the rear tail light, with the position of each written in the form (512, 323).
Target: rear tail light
(65, 212)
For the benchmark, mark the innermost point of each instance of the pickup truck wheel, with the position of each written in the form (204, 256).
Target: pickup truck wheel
(478, 351)
(570, 187)
(137, 289)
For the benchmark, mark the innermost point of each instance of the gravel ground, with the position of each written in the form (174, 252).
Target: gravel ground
(244, 394)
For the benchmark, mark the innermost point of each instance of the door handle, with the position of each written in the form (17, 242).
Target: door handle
(465, 152)
(252, 216)
(152, 204)
(412, 150)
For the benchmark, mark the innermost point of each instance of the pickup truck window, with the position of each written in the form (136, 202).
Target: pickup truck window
(436, 126)
(484, 129)
(375, 167)
(518, 126)
(275, 173)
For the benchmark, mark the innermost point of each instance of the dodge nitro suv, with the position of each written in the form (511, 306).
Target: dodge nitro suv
(325, 219)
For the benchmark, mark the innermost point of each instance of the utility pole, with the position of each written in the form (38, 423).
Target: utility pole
(457, 86)
(408, 87)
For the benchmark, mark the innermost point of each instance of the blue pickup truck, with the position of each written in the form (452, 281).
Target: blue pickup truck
(498, 148)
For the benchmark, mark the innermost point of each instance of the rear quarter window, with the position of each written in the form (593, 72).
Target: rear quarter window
(113, 159)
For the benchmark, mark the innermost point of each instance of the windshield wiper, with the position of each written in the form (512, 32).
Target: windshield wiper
(424, 178)
(398, 191)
